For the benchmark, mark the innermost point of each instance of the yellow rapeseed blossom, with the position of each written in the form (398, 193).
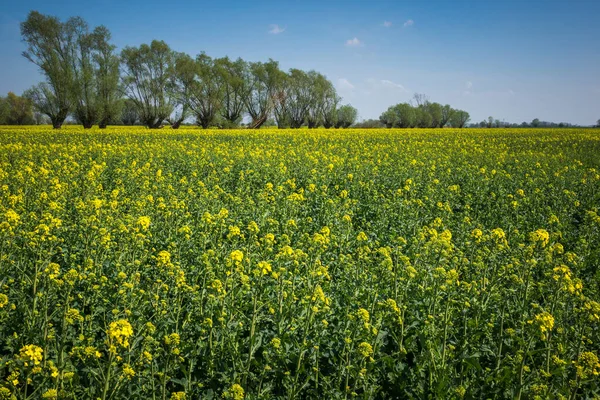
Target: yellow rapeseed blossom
(119, 332)
(31, 355)
(235, 392)
(365, 349)
(540, 236)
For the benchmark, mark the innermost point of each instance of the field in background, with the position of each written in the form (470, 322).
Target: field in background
(299, 263)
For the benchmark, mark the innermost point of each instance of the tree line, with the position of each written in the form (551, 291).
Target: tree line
(492, 122)
(154, 85)
(422, 113)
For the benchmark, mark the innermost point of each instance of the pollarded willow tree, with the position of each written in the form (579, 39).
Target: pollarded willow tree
(106, 71)
(207, 92)
(298, 97)
(52, 46)
(263, 84)
(147, 79)
(459, 118)
(322, 93)
(235, 80)
(183, 81)
(346, 116)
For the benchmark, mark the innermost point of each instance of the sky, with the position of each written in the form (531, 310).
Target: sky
(512, 60)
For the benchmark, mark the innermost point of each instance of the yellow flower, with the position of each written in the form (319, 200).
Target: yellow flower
(545, 322)
(253, 227)
(178, 396)
(31, 354)
(120, 331)
(541, 236)
(163, 258)
(587, 365)
(276, 343)
(236, 256)
(364, 315)
(73, 316)
(3, 300)
(362, 237)
(50, 394)
(235, 392)
(128, 372)
(172, 340)
(365, 349)
(144, 222)
(476, 234)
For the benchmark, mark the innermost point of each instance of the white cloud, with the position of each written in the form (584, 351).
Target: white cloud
(344, 83)
(469, 85)
(353, 42)
(408, 23)
(275, 29)
(393, 85)
(387, 24)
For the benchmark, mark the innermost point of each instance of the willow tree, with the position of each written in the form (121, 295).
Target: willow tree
(346, 116)
(147, 79)
(206, 96)
(235, 80)
(263, 85)
(52, 46)
(106, 64)
(323, 100)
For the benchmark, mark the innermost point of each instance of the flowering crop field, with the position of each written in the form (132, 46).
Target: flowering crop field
(186, 264)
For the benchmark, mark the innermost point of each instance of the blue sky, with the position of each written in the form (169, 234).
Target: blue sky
(513, 60)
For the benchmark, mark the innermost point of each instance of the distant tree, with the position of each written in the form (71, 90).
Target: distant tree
(535, 123)
(388, 118)
(184, 84)
(4, 111)
(346, 116)
(423, 117)
(446, 113)
(497, 123)
(147, 80)
(236, 89)
(598, 124)
(299, 98)
(490, 122)
(369, 124)
(106, 64)
(206, 96)
(52, 46)
(420, 99)
(263, 84)
(321, 94)
(19, 110)
(401, 115)
(459, 119)
(329, 108)
(436, 112)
